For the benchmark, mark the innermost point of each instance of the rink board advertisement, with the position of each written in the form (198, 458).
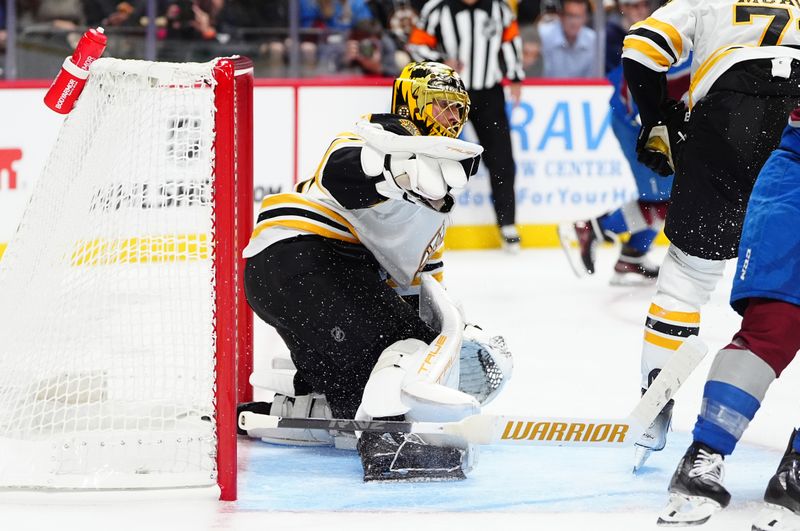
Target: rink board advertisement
(569, 164)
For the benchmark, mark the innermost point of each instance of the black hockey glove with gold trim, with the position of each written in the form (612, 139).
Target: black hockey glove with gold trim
(658, 143)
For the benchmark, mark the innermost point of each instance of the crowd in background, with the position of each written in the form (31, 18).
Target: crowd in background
(350, 37)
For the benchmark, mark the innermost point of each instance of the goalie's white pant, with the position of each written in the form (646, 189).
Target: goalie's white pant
(685, 284)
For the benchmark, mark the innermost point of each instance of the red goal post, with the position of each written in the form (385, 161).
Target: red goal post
(233, 204)
(127, 340)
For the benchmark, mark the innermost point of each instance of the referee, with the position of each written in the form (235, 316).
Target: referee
(480, 39)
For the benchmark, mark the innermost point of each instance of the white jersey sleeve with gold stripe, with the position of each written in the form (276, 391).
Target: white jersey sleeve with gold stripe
(342, 204)
(721, 33)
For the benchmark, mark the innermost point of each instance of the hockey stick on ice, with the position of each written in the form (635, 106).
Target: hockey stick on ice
(511, 429)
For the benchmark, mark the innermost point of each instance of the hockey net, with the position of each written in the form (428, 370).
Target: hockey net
(119, 304)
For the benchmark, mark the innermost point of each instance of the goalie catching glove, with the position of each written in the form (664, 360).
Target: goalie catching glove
(658, 143)
(485, 365)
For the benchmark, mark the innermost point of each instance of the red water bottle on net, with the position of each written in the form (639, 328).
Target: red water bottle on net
(69, 82)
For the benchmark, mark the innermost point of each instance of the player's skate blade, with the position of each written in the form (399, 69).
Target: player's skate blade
(640, 457)
(776, 518)
(568, 239)
(682, 511)
(654, 439)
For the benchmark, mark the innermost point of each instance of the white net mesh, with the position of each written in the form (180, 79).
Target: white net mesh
(107, 290)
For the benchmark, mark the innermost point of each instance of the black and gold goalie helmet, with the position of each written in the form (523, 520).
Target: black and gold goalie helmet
(432, 96)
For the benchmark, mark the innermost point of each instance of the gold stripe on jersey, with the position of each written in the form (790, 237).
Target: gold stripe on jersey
(667, 29)
(280, 199)
(320, 219)
(303, 186)
(309, 226)
(708, 65)
(646, 47)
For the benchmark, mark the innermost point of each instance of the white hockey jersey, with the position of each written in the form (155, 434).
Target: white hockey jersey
(341, 202)
(721, 33)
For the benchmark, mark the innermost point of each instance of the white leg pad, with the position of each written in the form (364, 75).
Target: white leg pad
(277, 378)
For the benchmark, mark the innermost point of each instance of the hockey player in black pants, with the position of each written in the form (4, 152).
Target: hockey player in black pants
(766, 292)
(336, 266)
(745, 80)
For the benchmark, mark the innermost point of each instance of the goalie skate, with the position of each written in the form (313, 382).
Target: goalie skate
(776, 518)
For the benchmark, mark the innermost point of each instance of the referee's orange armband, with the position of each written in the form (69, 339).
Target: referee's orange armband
(422, 37)
(511, 31)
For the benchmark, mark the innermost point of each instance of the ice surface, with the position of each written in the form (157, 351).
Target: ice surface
(576, 346)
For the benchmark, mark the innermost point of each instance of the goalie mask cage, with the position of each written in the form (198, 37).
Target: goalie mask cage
(121, 309)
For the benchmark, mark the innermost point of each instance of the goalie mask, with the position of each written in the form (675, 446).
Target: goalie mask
(432, 96)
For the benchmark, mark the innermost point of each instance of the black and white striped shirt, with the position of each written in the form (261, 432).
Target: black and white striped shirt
(483, 37)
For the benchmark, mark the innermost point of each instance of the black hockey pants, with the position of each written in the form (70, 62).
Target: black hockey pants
(336, 314)
(731, 133)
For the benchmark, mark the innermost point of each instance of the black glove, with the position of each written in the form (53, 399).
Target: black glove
(658, 142)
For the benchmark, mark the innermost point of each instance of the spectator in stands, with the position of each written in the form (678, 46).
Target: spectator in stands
(193, 19)
(369, 50)
(549, 11)
(528, 11)
(337, 18)
(54, 24)
(531, 50)
(253, 21)
(336, 15)
(60, 14)
(397, 17)
(628, 12)
(401, 24)
(569, 47)
(113, 13)
(253, 15)
(2, 27)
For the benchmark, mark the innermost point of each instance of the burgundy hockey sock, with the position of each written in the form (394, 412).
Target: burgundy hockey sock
(771, 330)
(654, 212)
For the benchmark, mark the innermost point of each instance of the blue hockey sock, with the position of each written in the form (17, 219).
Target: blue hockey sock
(613, 222)
(796, 443)
(642, 240)
(727, 411)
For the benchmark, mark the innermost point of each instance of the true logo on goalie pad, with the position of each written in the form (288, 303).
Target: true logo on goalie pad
(426, 363)
(565, 431)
